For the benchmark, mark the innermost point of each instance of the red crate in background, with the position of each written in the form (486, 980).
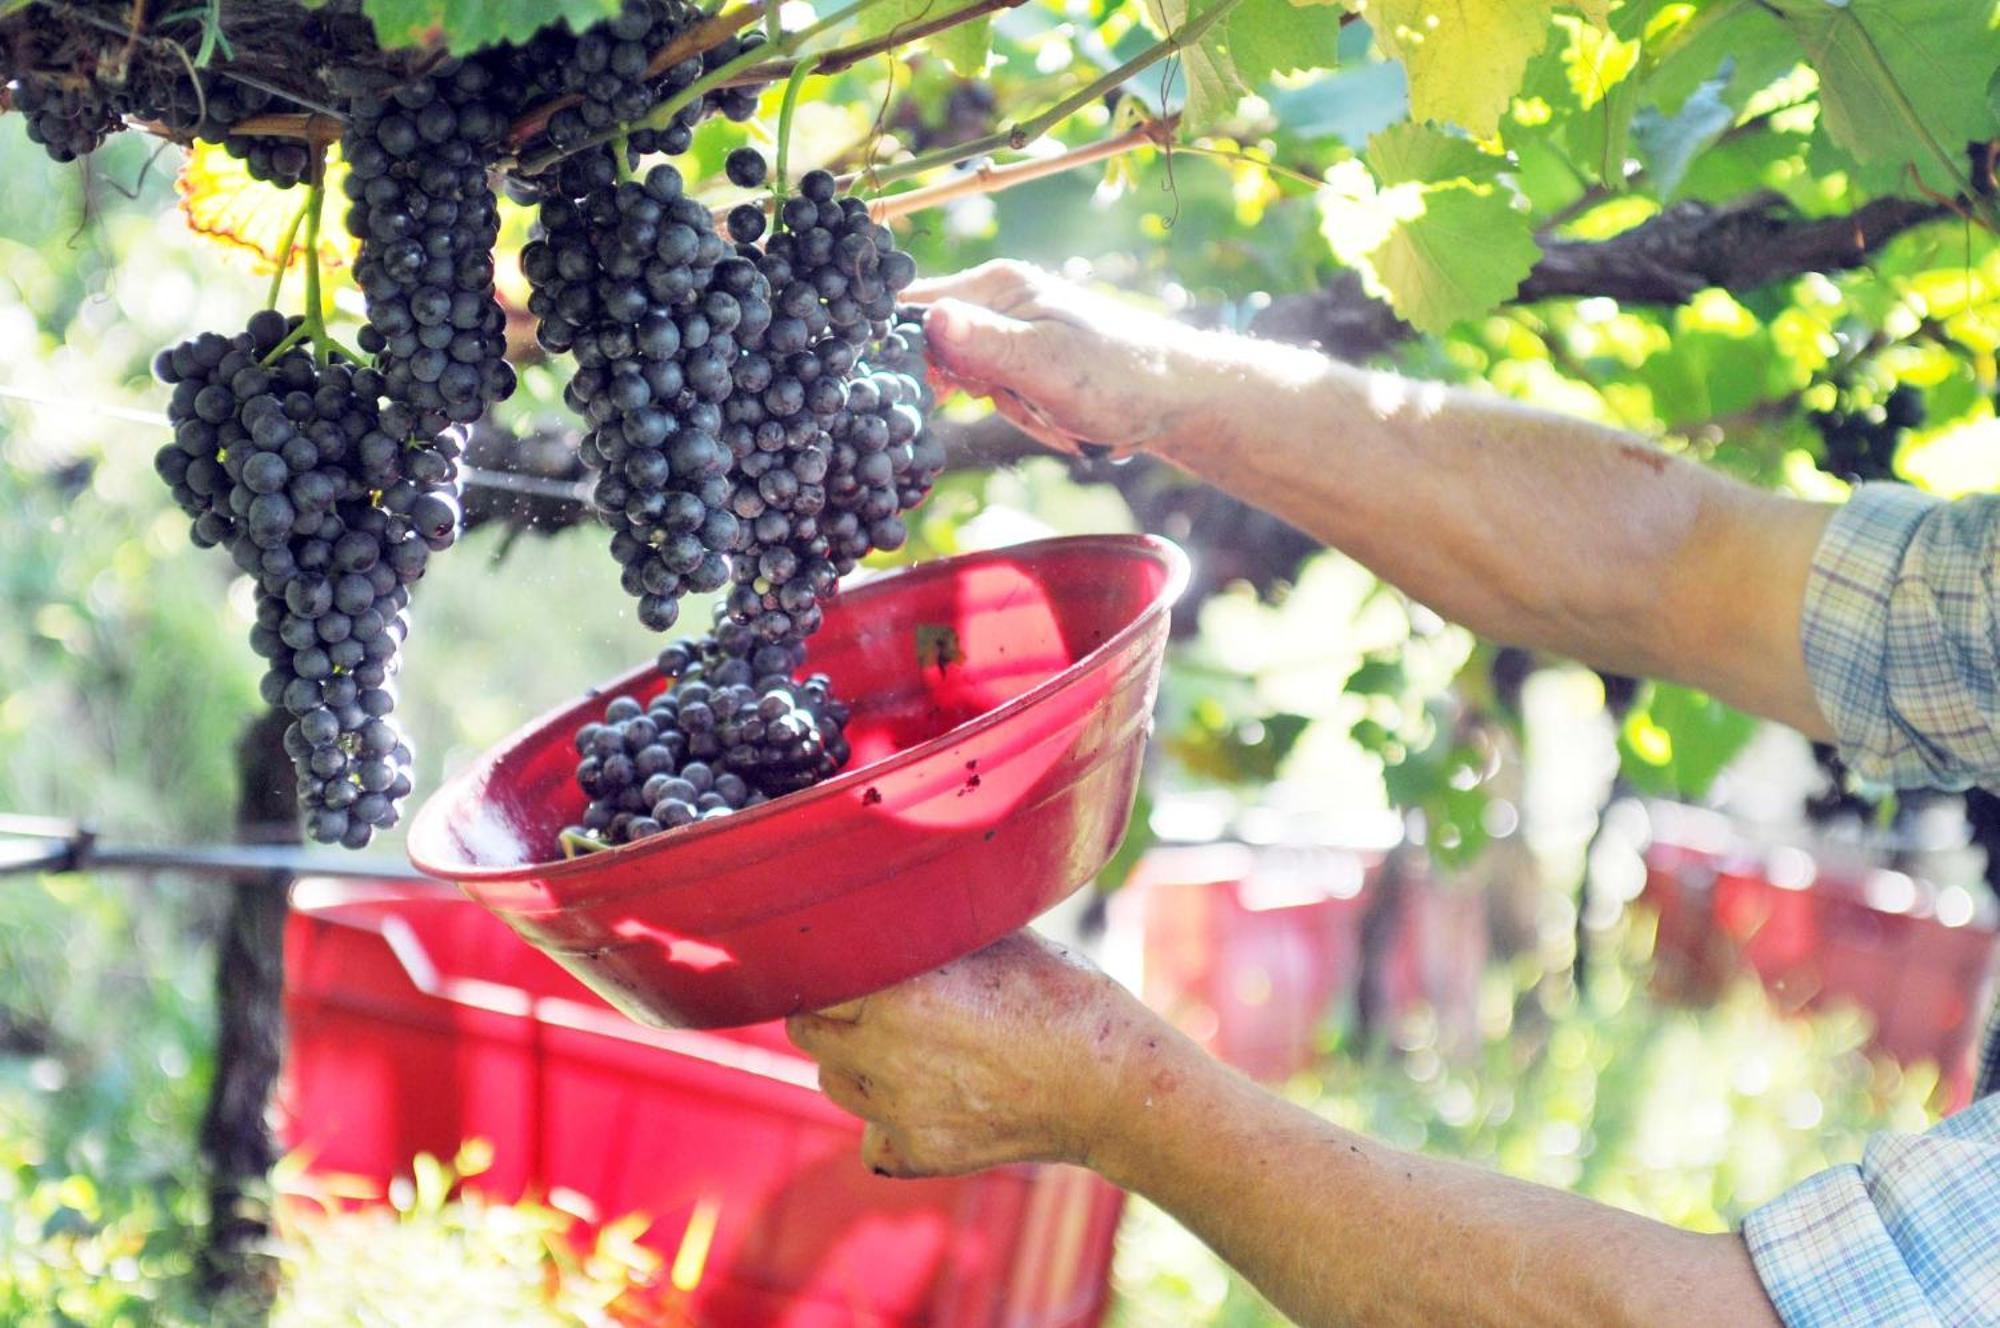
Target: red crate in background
(418, 1020)
(1250, 950)
(1692, 960)
(1919, 962)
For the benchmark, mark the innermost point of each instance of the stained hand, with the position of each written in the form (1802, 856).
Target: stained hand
(1072, 368)
(1014, 1054)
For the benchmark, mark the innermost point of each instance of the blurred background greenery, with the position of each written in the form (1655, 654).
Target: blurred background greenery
(1304, 704)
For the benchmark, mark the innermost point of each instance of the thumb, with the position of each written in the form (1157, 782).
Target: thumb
(973, 343)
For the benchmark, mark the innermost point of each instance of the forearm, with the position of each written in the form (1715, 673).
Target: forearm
(1530, 528)
(1336, 1229)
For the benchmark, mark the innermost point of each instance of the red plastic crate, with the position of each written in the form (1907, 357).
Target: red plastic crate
(1250, 950)
(418, 1020)
(1248, 974)
(1818, 936)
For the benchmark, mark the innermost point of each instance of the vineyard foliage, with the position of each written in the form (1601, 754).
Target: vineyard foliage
(1760, 232)
(1712, 223)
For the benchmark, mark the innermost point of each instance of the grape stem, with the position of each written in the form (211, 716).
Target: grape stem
(575, 845)
(781, 180)
(988, 178)
(315, 311)
(663, 114)
(312, 325)
(703, 36)
(286, 246)
(1021, 133)
(839, 58)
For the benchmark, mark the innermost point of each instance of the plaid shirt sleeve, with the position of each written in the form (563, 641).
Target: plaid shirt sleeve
(1899, 635)
(1899, 632)
(1909, 1238)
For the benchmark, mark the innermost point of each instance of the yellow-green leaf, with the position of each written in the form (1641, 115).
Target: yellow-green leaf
(250, 218)
(1439, 253)
(1465, 58)
(1213, 84)
(1417, 153)
(1257, 40)
(964, 47)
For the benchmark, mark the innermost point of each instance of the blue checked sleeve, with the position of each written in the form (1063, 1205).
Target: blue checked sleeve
(1910, 1238)
(1899, 636)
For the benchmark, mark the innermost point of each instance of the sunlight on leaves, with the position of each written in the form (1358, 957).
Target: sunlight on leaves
(250, 219)
(1465, 60)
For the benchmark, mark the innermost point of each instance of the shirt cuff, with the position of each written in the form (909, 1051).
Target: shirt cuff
(1844, 630)
(1827, 1261)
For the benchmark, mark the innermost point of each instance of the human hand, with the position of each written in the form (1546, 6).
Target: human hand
(1077, 370)
(1015, 1054)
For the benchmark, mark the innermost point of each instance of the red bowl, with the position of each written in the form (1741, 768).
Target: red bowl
(1001, 706)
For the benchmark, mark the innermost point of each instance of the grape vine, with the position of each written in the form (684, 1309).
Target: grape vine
(733, 729)
(290, 461)
(754, 401)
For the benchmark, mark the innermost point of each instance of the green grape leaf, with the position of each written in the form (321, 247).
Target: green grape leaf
(1668, 144)
(469, 25)
(1269, 37)
(1413, 153)
(1465, 253)
(1465, 58)
(1738, 42)
(1242, 52)
(1598, 69)
(1213, 84)
(1438, 252)
(1902, 82)
(964, 47)
(1679, 740)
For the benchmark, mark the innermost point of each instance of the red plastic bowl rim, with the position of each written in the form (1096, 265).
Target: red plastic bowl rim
(1160, 550)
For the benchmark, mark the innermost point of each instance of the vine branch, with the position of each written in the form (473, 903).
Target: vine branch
(1021, 133)
(1692, 246)
(697, 40)
(840, 58)
(988, 178)
(663, 114)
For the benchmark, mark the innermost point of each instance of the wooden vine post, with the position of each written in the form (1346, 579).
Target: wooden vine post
(236, 1142)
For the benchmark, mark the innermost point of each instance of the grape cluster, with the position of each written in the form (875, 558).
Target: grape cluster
(210, 112)
(72, 118)
(731, 730)
(320, 495)
(425, 214)
(631, 279)
(822, 411)
(1859, 439)
(69, 120)
(223, 105)
(830, 445)
(607, 70)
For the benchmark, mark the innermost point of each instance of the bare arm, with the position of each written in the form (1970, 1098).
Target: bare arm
(1023, 1053)
(1528, 527)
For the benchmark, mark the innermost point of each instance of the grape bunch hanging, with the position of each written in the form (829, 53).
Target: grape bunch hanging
(332, 504)
(755, 415)
(733, 729)
(1860, 436)
(753, 398)
(72, 112)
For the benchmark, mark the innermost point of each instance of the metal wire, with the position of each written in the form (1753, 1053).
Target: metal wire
(36, 844)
